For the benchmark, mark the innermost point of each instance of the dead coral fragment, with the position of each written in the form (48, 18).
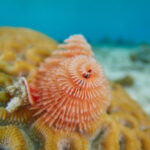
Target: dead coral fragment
(18, 92)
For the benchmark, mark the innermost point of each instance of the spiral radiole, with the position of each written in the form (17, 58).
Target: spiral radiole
(70, 91)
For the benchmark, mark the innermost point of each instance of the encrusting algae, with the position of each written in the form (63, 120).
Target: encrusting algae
(39, 122)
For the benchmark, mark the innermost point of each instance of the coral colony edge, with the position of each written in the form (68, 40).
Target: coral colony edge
(65, 102)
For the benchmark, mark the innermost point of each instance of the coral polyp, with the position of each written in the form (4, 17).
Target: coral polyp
(70, 92)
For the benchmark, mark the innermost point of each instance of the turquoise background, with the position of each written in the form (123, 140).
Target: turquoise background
(129, 19)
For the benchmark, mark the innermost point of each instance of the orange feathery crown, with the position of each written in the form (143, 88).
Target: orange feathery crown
(69, 89)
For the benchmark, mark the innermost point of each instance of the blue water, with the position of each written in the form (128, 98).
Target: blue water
(128, 19)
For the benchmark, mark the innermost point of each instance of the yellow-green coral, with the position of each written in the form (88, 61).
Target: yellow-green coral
(128, 139)
(59, 139)
(21, 116)
(23, 49)
(107, 134)
(5, 81)
(12, 138)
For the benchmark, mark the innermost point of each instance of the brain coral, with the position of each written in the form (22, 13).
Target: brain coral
(22, 50)
(123, 126)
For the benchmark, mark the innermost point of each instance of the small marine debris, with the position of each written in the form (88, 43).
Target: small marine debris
(133, 57)
(127, 80)
(142, 55)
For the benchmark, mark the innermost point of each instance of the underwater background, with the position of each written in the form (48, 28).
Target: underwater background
(119, 31)
(95, 19)
(54, 95)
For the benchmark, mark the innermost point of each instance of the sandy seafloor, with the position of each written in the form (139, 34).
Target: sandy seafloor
(117, 63)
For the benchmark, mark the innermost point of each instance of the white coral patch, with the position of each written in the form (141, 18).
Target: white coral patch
(18, 93)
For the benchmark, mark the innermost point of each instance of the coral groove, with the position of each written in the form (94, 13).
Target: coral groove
(12, 138)
(59, 139)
